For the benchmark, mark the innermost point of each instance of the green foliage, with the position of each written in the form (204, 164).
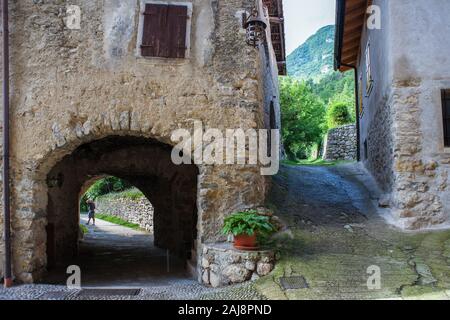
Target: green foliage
(84, 229)
(83, 204)
(107, 185)
(336, 87)
(338, 114)
(118, 221)
(302, 116)
(249, 222)
(303, 104)
(316, 162)
(132, 193)
(102, 187)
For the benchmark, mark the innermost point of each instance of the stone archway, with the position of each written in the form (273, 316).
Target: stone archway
(219, 190)
(146, 164)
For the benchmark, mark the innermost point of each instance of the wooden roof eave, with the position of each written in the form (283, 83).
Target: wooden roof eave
(350, 19)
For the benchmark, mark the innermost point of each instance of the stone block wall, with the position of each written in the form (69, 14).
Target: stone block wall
(223, 265)
(340, 144)
(139, 211)
(421, 177)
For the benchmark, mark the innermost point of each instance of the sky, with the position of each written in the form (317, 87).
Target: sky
(304, 17)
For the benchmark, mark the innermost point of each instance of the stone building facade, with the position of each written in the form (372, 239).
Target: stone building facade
(340, 144)
(399, 50)
(86, 103)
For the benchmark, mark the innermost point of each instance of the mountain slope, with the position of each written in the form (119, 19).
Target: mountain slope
(313, 59)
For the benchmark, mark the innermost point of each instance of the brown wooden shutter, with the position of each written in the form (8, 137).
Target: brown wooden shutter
(164, 31)
(154, 42)
(177, 21)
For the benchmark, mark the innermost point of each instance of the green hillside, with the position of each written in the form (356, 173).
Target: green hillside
(314, 58)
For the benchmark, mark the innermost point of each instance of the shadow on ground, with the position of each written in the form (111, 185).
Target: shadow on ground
(113, 255)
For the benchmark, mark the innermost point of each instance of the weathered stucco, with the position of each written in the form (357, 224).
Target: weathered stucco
(402, 120)
(73, 87)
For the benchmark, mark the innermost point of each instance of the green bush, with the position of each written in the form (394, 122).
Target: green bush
(338, 114)
(249, 222)
(102, 187)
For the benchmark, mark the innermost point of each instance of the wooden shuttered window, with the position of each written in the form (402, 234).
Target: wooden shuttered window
(164, 31)
(446, 116)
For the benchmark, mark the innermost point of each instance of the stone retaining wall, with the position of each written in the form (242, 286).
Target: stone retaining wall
(340, 144)
(223, 265)
(139, 211)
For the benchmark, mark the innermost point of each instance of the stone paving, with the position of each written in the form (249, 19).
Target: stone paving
(334, 233)
(113, 256)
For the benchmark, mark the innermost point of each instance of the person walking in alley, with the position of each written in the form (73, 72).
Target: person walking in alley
(91, 213)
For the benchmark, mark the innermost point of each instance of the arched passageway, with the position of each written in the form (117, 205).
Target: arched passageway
(146, 164)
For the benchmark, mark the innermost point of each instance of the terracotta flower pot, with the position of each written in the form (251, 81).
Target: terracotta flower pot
(245, 242)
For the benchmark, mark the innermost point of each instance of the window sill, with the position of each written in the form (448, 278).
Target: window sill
(162, 61)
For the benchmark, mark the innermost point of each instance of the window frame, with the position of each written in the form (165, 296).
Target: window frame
(140, 32)
(368, 65)
(445, 99)
(360, 95)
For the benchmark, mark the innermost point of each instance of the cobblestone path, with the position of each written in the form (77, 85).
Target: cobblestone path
(336, 234)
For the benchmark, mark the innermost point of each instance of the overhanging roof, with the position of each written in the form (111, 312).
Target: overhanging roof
(350, 19)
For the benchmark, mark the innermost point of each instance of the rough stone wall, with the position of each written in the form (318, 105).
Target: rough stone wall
(72, 87)
(340, 144)
(415, 180)
(379, 142)
(223, 265)
(138, 211)
(421, 180)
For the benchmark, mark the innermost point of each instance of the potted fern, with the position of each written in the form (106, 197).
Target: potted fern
(246, 227)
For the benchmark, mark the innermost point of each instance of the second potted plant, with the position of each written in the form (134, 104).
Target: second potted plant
(247, 227)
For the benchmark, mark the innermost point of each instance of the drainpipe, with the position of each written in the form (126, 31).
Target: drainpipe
(358, 125)
(6, 186)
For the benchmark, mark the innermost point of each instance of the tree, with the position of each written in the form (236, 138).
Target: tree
(303, 118)
(338, 114)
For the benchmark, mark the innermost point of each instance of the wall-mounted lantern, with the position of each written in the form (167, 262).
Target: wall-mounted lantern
(255, 25)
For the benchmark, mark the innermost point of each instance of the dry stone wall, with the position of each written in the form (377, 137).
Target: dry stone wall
(340, 144)
(223, 265)
(139, 211)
